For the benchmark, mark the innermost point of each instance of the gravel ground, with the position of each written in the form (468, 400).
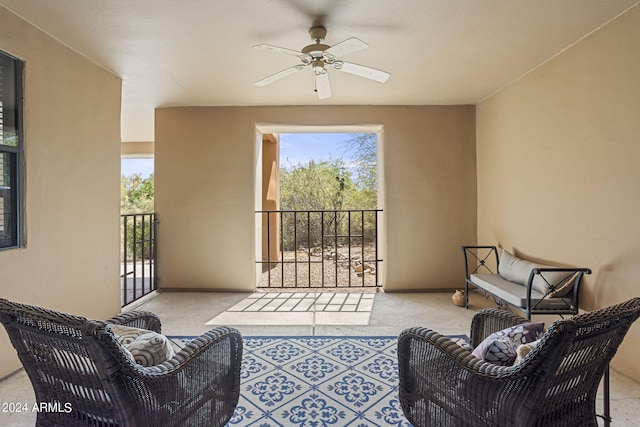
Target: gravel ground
(310, 270)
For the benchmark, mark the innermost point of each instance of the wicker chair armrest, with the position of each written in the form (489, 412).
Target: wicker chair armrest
(490, 320)
(206, 369)
(434, 371)
(200, 347)
(205, 349)
(445, 351)
(138, 319)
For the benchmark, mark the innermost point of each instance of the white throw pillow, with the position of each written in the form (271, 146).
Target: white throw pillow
(147, 348)
(127, 334)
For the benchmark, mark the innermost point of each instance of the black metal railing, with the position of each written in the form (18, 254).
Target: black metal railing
(320, 248)
(138, 258)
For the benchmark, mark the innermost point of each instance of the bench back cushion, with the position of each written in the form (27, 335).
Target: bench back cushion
(518, 270)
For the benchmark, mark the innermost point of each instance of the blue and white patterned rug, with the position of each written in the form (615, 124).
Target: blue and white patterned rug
(319, 381)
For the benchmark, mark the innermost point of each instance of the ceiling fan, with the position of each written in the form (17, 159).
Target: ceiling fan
(318, 56)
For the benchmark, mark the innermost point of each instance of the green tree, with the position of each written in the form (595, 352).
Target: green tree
(363, 151)
(315, 186)
(136, 197)
(136, 194)
(328, 188)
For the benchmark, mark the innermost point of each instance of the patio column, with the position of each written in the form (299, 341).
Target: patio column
(270, 197)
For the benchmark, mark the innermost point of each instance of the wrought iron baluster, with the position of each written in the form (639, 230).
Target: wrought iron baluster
(335, 228)
(281, 249)
(125, 255)
(295, 248)
(322, 246)
(375, 215)
(349, 243)
(362, 257)
(268, 249)
(139, 233)
(292, 221)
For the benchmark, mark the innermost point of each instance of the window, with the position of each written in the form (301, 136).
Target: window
(10, 152)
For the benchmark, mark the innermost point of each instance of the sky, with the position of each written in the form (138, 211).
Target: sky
(295, 148)
(131, 166)
(298, 148)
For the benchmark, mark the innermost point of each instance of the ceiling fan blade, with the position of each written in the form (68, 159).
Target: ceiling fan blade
(362, 71)
(284, 50)
(347, 46)
(323, 87)
(279, 75)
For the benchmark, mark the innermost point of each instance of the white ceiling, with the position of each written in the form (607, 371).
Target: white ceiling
(199, 52)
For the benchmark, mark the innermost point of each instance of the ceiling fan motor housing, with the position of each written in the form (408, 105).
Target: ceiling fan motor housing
(318, 33)
(315, 50)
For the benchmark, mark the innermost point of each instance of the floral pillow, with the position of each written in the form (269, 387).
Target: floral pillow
(500, 348)
(147, 348)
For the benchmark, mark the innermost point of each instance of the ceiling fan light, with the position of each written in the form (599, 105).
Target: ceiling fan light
(318, 67)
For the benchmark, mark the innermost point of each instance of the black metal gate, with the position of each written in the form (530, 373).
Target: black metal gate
(138, 260)
(320, 249)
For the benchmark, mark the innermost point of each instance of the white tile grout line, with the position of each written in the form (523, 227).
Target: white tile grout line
(274, 303)
(317, 304)
(314, 318)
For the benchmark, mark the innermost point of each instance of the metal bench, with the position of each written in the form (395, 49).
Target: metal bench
(561, 284)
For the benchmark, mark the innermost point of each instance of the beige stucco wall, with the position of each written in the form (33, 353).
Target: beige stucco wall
(558, 167)
(206, 163)
(72, 150)
(136, 149)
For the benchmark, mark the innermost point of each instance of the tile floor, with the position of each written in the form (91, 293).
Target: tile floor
(299, 308)
(387, 315)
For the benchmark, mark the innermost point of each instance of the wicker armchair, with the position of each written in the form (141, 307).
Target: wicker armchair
(83, 376)
(442, 384)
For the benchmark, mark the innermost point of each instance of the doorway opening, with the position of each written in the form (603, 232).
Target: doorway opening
(138, 229)
(320, 211)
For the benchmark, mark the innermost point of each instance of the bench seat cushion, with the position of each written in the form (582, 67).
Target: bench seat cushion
(514, 293)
